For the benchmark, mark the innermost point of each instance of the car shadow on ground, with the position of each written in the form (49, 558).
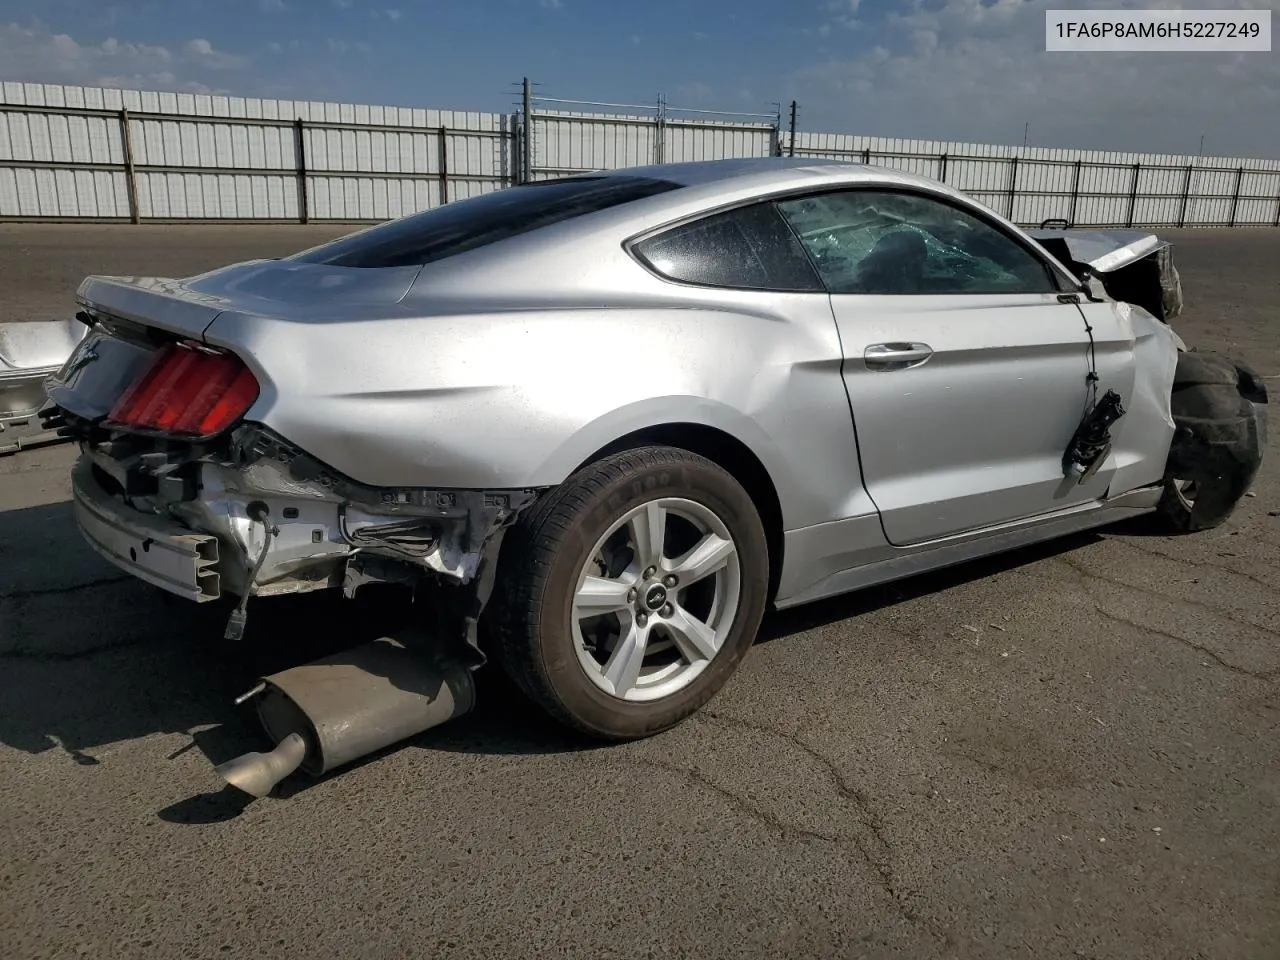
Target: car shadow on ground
(90, 658)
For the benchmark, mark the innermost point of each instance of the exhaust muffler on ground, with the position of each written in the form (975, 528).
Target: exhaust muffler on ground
(333, 711)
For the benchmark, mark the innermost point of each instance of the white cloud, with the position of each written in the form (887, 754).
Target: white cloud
(552, 4)
(272, 6)
(337, 46)
(393, 15)
(976, 70)
(844, 13)
(202, 51)
(342, 4)
(36, 54)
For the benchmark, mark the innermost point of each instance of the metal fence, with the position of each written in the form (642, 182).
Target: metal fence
(71, 153)
(557, 140)
(1086, 188)
(76, 153)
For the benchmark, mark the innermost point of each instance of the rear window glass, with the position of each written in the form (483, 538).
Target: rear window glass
(468, 224)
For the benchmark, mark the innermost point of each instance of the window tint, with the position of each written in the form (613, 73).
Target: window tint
(749, 248)
(863, 241)
(468, 224)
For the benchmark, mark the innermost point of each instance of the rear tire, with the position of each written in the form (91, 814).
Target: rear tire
(614, 630)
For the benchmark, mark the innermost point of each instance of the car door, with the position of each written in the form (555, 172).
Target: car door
(966, 359)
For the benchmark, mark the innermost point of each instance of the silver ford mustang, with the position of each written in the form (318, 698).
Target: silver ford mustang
(609, 420)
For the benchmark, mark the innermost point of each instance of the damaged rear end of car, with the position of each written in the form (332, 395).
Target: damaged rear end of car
(173, 438)
(182, 482)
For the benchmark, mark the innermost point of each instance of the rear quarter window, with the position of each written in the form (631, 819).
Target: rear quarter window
(749, 248)
(465, 225)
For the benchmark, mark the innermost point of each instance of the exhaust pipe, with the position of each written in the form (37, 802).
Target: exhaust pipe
(333, 711)
(258, 773)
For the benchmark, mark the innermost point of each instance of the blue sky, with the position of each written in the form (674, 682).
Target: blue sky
(946, 69)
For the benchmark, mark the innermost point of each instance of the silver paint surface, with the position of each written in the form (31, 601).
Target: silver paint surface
(511, 365)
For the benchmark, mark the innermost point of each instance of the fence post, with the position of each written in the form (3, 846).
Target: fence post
(1186, 195)
(791, 139)
(1133, 194)
(1235, 197)
(1013, 185)
(660, 131)
(526, 142)
(300, 154)
(443, 144)
(942, 168)
(1276, 221)
(130, 180)
(1075, 195)
(517, 149)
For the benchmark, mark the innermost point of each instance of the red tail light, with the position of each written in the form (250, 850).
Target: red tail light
(188, 392)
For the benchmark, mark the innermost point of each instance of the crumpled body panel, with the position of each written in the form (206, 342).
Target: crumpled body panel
(1147, 428)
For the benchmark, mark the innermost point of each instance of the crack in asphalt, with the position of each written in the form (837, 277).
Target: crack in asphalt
(1194, 563)
(1151, 592)
(879, 860)
(786, 830)
(58, 656)
(21, 597)
(741, 804)
(1085, 575)
(56, 591)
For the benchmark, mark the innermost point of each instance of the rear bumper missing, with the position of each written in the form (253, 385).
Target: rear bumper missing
(208, 547)
(269, 523)
(151, 548)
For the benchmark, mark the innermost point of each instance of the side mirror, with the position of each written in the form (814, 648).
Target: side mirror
(1094, 288)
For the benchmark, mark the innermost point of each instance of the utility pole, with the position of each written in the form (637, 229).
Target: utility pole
(791, 140)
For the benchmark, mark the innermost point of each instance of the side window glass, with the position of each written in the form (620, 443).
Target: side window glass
(876, 242)
(749, 248)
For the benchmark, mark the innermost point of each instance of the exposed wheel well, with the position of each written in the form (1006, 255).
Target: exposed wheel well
(728, 453)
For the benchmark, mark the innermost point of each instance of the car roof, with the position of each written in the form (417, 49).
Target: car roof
(764, 171)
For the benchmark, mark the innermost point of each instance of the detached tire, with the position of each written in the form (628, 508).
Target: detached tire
(627, 596)
(1219, 407)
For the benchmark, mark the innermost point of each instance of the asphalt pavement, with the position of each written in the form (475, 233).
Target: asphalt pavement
(1069, 751)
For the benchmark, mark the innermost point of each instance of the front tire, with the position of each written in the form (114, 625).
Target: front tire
(1219, 406)
(627, 596)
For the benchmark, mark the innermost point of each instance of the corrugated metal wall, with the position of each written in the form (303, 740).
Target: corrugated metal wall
(1085, 187)
(63, 154)
(73, 152)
